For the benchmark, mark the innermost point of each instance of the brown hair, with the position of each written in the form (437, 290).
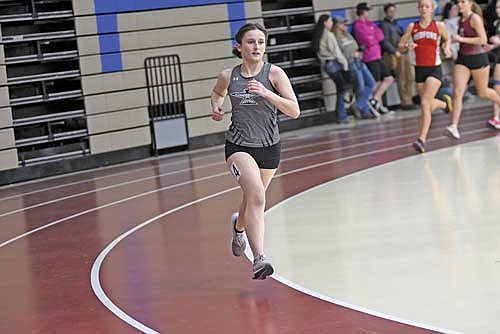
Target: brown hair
(476, 8)
(242, 31)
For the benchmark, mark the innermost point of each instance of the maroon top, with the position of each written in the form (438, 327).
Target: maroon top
(465, 30)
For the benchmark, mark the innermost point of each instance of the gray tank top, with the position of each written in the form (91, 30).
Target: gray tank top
(254, 120)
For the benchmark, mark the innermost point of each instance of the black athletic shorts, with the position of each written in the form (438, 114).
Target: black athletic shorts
(265, 157)
(378, 69)
(423, 72)
(473, 62)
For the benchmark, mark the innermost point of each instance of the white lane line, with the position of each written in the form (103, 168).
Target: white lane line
(5, 243)
(204, 166)
(359, 308)
(81, 213)
(108, 303)
(185, 154)
(375, 132)
(96, 267)
(315, 294)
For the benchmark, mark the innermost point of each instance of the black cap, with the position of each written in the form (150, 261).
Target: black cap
(362, 6)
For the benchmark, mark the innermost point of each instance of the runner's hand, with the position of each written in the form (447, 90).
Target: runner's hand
(257, 87)
(217, 114)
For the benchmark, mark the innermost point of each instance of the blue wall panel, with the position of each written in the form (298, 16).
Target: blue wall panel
(107, 22)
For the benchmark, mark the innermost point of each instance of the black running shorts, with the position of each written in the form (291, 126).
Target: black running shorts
(423, 72)
(265, 157)
(473, 62)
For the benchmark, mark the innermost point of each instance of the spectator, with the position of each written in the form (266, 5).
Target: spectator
(332, 60)
(450, 19)
(399, 62)
(351, 51)
(369, 37)
(494, 48)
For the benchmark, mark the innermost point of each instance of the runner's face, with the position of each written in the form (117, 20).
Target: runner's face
(426, 8)
(497, 9)
(463, 5)
(253, 45)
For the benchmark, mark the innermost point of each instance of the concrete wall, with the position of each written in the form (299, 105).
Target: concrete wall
(115, 39)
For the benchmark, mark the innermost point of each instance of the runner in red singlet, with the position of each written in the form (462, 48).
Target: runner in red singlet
(426, 35)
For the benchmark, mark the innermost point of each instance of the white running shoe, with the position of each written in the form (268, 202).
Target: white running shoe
(452, 131)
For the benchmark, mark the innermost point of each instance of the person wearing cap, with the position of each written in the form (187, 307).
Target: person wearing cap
(369, 36)
(399, 62)
(351, 51)
(332, 60)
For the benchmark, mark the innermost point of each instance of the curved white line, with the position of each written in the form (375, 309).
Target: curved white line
(190, 160)
(315, 294)
(211, 165)
(5, 243)
(96, 286)
(96, 267)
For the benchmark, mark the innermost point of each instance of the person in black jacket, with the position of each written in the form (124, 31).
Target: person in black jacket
(398, 62)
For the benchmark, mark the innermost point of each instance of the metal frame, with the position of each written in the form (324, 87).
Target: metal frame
(165, 92)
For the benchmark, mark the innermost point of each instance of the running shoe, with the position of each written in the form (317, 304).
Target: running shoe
(452, 131)
(495, 123)
(419, 145)
(449, 103)
(262, 267)
(239, 242)
(373, 105)
(383, 109)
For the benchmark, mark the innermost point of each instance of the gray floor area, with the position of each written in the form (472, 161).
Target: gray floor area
(417, 238)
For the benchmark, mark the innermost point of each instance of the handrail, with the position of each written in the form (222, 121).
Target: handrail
(44, 57)
(288, 11)
(289, 46)
(289, 29)
(39, 36)
(298, 62)
(43, 77)
(34, 161)
(309, 95)
(48, 117)
(56, 137)
(40, 16)
(50, 97)
(305, 78)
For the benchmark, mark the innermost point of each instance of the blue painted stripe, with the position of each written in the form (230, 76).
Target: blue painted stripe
(403, 23)
(121, 6)
(338, 12)
(109, 43)
(237, 18)
(107, 22)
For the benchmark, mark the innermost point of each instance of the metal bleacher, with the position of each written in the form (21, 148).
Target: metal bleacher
(290, 25)
(43, 79)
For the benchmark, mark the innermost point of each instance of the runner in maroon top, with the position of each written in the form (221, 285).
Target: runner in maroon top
(472, 61)
(426, 35)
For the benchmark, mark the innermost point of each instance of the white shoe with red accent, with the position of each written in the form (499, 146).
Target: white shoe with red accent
(495, 123)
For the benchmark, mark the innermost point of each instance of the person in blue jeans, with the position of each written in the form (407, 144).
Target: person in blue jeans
(366, 82)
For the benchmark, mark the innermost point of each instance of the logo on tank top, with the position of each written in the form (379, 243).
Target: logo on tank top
(247, 98)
